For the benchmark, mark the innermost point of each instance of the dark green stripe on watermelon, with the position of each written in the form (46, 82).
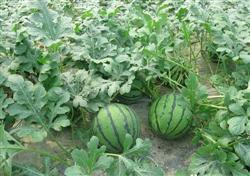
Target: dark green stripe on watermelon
(179, 122)
(171, 113)
(133, 124)
(156, 116)
(113, 123)
(113, 127)
(126, 126)
(103, 135)
(136, 121)
(183, 131)
(131, 97)
(183, 126)
(165, 108)
(170, 116)
(135, 93)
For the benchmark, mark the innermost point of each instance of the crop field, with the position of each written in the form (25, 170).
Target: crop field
(124, 87)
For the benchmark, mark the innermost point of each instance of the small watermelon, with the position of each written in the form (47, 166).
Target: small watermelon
(134, 95)
(112, 123)
(177, 74)
(130, 98)
(170, 116)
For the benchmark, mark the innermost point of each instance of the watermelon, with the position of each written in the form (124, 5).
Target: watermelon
(112, 123)
(177, 74)
(130, 98)
(170, 116)
(134, 95)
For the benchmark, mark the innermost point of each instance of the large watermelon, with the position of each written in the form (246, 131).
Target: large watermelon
(170, 116)
(112, 123)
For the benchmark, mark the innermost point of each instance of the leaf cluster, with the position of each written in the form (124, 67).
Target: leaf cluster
(226, 141)
(132, 161)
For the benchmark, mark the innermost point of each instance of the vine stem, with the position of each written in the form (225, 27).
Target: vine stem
(113, 154)
(205, 135)
(173, 81)
(215, 96)
(208, 137)
(237, 141)
(213, 106)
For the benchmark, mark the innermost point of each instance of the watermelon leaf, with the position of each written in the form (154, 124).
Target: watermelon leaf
(125, 166)
(4, 103)
(243, 151)
(87, 89)
(194, 92)
(94, 158)
(237, 125)
(210, 160)
(44, 109)
(236, 108)
(135, 162)
(75, 171)
(47, 25)
(90, 160)
(127, 142)
(142, 147)
(8, 149)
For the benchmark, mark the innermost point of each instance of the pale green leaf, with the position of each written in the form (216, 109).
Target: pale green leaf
(32, 134)
(237, 109)
(127, 142)
(237, 125)
(243, 151)
(245, 57)
(60, 122)
(113, 89)
(75, 171)
(19, 111)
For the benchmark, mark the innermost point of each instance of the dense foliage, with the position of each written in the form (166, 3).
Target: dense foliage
(62, 60)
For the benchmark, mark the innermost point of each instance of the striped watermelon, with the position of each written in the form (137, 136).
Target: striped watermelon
(170, 116)
(112, 123)
(134, 95)
(177, 74)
